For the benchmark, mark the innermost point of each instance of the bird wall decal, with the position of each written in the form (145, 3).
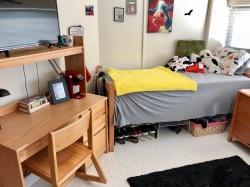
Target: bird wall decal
(189, 13)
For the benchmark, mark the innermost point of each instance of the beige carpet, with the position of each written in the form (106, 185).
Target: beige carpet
(169, 151)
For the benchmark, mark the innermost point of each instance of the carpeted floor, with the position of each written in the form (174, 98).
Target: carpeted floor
(169, 151)
(227, 172)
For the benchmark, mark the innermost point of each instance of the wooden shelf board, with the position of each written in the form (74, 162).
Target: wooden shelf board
(37, 54)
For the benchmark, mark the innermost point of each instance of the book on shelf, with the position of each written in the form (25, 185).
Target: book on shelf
(33, 102)
(29, 111)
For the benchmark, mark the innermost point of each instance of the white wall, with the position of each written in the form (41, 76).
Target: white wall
(70, 13)
(160, 47)
(121, 43)
(218, 24)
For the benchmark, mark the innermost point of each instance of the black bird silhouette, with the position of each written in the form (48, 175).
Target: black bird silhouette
(10, 1)
(189, 13)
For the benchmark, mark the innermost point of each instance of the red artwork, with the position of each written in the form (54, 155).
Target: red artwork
(160, 16)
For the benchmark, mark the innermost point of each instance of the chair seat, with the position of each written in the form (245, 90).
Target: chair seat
(68, 159)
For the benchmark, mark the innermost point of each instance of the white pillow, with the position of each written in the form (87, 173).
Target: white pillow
(232, 61)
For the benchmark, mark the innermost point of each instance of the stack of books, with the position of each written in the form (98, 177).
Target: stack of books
(33, 104)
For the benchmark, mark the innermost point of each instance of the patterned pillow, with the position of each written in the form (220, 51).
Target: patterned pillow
(211, 63)
(223, 52)
(232, 61)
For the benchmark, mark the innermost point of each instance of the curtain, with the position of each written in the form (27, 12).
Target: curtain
(233, 3)
(238, 32)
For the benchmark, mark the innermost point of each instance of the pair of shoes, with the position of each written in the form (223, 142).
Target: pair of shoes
(134, 132)
(148, 129)
(121, 133)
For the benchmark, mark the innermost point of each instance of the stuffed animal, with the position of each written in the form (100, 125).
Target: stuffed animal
(179, 64)
(194, 58)
(205, 53)
(212, 64)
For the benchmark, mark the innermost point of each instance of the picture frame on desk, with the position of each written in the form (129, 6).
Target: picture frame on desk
(59, 91)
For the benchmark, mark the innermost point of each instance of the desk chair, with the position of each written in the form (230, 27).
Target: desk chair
(65, 156)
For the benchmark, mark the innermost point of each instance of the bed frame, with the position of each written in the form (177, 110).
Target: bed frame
(110, 93)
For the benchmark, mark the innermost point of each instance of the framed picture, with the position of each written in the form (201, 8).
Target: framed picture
(59, 91)
(89, 10)
(119, 14)
(160, 16)
(131, 7)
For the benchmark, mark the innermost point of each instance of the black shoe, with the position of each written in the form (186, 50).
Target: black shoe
(138, 131)
(145, 130)
(151, 129)
(124, 132)
(118, 134)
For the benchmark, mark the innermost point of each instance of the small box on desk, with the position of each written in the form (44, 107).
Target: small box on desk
(212, 128)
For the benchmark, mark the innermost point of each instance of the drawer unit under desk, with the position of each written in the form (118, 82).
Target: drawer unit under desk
(99, 118)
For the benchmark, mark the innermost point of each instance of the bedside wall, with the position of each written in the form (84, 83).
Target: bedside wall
(128, 45)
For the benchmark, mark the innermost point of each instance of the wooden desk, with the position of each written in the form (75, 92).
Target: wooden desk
(24, 135)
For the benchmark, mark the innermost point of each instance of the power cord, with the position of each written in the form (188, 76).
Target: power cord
(25, 81)
(38, 79)
(55, 68)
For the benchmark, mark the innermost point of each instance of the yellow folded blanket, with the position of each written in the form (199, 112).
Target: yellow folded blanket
(155, 79)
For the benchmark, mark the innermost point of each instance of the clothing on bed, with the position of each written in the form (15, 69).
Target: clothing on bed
(215, 95)
(155, 79)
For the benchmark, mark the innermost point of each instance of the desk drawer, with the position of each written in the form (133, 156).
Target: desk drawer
(99, 123)
(98, 110)
(100, 144)
(243, 108)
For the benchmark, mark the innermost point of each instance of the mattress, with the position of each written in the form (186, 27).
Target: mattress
(215, 95)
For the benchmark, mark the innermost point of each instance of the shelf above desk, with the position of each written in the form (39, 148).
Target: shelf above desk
(37, 54)
(73, 56)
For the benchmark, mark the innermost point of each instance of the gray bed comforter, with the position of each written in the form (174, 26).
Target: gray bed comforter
(215, 95)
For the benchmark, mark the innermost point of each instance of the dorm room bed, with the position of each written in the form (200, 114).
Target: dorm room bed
(215, 95)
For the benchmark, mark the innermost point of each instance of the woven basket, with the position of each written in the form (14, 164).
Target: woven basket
(212, 128)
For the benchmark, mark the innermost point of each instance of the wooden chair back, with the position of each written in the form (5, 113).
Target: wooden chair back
(68, 135)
